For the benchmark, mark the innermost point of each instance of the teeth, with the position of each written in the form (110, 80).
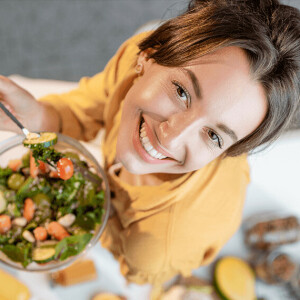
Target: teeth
(159, 156)
(147, 145)
(153, 152)
(145, 140)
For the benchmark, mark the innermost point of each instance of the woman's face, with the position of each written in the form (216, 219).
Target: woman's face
(177, 120)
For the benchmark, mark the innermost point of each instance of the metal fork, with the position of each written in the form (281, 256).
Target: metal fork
(13, 118)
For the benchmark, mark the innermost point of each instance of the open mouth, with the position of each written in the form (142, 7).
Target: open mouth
(149, 148)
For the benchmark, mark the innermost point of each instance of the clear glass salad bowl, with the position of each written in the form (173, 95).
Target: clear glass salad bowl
(12, 148)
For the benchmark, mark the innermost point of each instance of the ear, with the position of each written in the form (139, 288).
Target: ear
(143, 58)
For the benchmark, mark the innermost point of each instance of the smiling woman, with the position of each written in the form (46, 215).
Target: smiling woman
(182, 107)
(166, 127)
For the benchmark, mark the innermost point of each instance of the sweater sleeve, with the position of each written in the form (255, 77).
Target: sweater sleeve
(82, 110)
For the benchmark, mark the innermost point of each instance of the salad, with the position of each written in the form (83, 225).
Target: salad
(51, 203)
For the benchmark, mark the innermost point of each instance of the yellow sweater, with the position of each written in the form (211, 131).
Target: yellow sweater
(156, 231)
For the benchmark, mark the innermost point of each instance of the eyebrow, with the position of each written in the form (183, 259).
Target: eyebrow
(228, 131)
(198, 93)
(194, 80)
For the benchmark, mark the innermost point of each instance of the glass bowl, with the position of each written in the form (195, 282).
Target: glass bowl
(12, 148)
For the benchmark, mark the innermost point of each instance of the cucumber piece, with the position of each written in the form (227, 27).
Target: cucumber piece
(234, 279)
(47, 244)
(43, 254)
(46, 139)
(3, 202)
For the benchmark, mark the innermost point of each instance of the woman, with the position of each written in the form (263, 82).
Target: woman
(182, 107)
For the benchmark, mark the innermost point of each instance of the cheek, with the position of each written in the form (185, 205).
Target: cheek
(199, 154)
(150, 94)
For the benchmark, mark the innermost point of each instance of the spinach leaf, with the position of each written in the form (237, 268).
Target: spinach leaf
(91, 214)
(70, 188)
(2, 182)
(66, 194)
(18, 253)
(98, 210)
(32, 187)
(71, 245)
(47, 155)
(86, 193)
(4, 239)
(5, 172)
(96, 214)
(86, 222)
(24, 190)
(98, 200)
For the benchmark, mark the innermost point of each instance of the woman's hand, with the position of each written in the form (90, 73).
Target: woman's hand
(34, 115)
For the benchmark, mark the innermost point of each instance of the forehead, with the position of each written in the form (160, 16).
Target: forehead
(225, 54)
(232, 58)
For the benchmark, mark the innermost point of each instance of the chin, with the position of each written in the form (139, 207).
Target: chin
(129, 162)
(133, 170)
(132, 166)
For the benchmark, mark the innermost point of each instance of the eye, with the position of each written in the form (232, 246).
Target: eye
(215, 138)
(182, 94)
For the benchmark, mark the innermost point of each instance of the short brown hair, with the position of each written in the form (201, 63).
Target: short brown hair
(269, 33)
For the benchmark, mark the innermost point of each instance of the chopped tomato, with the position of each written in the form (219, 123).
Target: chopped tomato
(43, 167)
(65, 168)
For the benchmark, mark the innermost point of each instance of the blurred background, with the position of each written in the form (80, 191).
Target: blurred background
(69, 39)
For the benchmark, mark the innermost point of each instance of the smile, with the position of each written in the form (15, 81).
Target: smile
(149, 148)
(146, 146)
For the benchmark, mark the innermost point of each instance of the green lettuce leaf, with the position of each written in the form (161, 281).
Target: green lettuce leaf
(18, 253)
(71, 245)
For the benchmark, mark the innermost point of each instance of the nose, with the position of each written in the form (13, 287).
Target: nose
(178, 131)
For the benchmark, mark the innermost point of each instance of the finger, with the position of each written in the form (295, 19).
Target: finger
(6, 85)
(12, 92)
(7, 106)
(7, 124)
(6, 121)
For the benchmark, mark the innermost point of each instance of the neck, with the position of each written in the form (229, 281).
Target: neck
(146, 179)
